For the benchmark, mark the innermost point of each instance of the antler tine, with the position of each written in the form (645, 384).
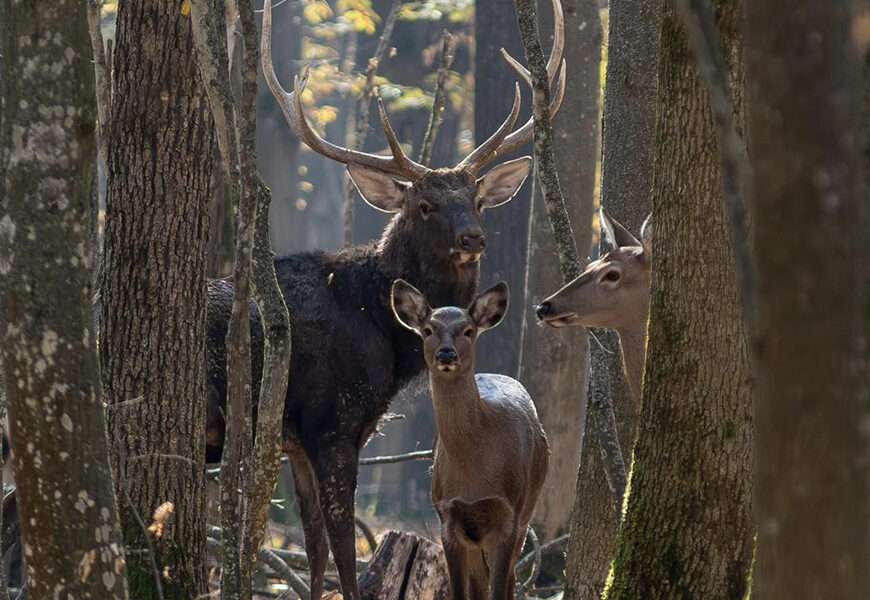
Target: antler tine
(556, 72)
(291, 106)
(396, 146)
(488, 149)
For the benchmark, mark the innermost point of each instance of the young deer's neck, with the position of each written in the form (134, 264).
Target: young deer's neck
(632, 340)
(458, 410)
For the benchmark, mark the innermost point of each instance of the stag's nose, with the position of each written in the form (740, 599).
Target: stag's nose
(543, 309)
(446, 356)
(471, 242)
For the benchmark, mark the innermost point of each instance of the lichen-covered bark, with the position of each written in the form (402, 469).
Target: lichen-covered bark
(810, 253)
(687, 530)
(153, 291)
(69, 519)
(628, 144)
(552, 364)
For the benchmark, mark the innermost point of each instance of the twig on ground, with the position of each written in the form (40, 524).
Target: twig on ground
(554, 543)
(287, 574)
(526, 585)
(436, 117)
(367, 533)
(361, 118)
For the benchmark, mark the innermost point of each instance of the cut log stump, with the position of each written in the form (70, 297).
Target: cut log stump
(405, 567)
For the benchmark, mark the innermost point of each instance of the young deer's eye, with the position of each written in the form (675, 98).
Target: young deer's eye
(469, 333)
(612, 276)
(425, 209)
(427, 331)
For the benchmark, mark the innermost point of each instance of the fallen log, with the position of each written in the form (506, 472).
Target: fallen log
(405, 567)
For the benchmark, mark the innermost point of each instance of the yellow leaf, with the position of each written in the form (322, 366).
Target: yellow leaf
(185, 8)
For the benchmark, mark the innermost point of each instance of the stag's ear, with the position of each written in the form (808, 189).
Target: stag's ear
(489, 308)
(646, 235)
(378, 189)
(409, 305)
(614, 233)
(500, 185)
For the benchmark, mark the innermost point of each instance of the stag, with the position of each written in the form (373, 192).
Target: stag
(350, 357)
(612, 292)
(492, 453)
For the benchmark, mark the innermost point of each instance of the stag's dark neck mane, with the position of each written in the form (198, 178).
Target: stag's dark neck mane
(443, 282)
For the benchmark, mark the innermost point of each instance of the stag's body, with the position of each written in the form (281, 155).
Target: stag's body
(492, 454)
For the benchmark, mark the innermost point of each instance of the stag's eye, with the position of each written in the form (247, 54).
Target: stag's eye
(427, 331)
(612, 276)
(425, 209)
(469, 333)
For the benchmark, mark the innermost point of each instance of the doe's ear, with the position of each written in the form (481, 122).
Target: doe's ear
(501, 183)
(489, 308)
(378, 189)
(409, 305)
(615, 233)
(646, 235)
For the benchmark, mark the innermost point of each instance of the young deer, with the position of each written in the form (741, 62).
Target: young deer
(491, 455)
(612, 292)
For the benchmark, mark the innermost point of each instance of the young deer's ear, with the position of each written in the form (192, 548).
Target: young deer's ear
(409, 305)
(614, 233)
(379, 190)
(500, 185)
(646, 235)
(489, 308)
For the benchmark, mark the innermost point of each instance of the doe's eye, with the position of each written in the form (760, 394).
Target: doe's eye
(427, 331)
(468, 332)
(612, 276)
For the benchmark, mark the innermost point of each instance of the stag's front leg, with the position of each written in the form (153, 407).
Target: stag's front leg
(336, 467)
(307, 495)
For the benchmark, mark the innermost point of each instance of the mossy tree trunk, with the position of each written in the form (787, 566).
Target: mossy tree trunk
(804, 89)
(552, 364)
(687, 530)
(153, 292)
(68, 513)
(628, 145)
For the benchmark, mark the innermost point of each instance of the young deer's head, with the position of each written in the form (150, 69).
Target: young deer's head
(449, 333)
(440, 208)
(613, 291)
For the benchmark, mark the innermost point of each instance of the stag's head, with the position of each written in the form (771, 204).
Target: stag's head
(443, 207)
(449, 333)
(613, 291)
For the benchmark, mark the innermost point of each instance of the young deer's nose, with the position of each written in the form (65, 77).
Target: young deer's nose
(544, 309)
(446, 356)
(471, 242)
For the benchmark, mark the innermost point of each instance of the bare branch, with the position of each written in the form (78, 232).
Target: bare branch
(395, 458)
(361, 115)
(436, 117)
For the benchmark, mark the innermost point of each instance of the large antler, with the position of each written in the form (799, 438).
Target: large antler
(556, 68)
(291, 105)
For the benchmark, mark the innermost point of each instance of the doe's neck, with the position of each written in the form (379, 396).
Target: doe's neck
(458, 409)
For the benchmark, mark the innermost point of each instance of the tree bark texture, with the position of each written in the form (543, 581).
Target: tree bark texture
(552, 364)
(153, 292)
(507, 228)
(406, 567)
(804, 90)
(628, 155)
(68, 513)
(687, 530)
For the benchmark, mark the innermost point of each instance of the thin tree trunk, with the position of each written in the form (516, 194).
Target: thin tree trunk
(68, 513)
(507, 229)
(810, 481)
(687, 530)
(153, 293)
(552, 365)
(628, 146)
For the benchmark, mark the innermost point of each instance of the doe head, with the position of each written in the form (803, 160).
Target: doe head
(612, 291)
(449, 333)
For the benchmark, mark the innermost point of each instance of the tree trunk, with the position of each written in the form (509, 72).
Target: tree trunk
(507, 229)
(628, 145)
(552, 364)
(68, 514)
(153, 293)
(687, 530)
(810, 480)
